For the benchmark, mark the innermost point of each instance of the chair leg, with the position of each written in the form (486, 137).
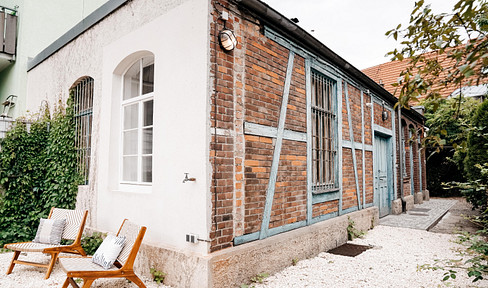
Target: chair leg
(136, 280)
(54, 257)
(87, 283)
(66, 283)
(12, 263)
(71, 281)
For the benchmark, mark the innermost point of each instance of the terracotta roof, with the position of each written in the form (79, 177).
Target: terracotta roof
(387, 73)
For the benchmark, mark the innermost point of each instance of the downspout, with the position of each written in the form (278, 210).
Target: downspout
(400, 156)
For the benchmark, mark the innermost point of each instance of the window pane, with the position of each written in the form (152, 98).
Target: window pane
(147, 141)
(131, 81)
(147, 169)
(323, 135)
(148, 113)
(131, 116)
(130, 142)
(148, 79)
(130, 168)
(83, 103)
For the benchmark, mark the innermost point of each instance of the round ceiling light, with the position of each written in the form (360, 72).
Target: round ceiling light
(227, 40)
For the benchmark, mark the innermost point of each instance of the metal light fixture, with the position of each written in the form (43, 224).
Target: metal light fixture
(384, 114)
(227, 40)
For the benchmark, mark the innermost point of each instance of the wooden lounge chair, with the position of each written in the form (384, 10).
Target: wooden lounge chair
(75, 223)
(84, 268)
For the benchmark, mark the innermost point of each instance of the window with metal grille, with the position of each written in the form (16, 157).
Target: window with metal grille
(324, 147)
(82, 93)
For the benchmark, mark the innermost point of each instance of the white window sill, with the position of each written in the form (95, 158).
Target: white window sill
(141, 188)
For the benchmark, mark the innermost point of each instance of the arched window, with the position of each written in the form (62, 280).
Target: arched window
(137, 122)
(82, 93)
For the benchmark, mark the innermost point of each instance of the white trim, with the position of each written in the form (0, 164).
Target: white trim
(140, 100)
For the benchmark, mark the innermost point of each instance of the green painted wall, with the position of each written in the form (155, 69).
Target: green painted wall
(39, 24)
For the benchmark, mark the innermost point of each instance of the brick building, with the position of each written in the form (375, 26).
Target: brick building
(262, 152)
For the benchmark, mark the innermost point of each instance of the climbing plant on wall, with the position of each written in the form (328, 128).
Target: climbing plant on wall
(37, 171)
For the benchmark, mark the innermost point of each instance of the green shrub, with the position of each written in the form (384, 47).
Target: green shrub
(91, 243)
(477, 146)
(37, 171)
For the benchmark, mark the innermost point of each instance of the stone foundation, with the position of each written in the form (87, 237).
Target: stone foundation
(234, 266)
(396, 207)
(409, 200)
(426, 195)
(419, 198)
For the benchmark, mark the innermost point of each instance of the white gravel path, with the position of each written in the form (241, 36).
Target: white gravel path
(24, 276)
(392, 263)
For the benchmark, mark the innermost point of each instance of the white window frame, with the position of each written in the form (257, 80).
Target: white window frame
(125, 185)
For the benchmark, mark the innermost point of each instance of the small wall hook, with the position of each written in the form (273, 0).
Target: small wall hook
(188, 179)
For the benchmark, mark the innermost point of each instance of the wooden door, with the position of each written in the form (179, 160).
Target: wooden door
(383, 174)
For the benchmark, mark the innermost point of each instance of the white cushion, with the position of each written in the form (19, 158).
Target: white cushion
(50, 231)
(108, 252)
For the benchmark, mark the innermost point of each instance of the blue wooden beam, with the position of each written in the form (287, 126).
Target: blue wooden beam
(353, 151)
(272, 132)
(363, 153)
(264, 233)
(274, 231)
(308, 94)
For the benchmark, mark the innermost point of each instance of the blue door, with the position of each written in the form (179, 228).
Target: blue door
(382, 174)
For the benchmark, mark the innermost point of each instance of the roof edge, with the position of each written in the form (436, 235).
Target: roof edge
(285, 26)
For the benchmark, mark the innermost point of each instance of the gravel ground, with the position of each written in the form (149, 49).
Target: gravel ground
(24, 276)
(391, 263)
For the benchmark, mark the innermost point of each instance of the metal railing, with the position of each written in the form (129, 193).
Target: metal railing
(5, 124)
(324, 150)
(8, 30)
(83, 110)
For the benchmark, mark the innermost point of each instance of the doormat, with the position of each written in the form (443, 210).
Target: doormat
(351, 250)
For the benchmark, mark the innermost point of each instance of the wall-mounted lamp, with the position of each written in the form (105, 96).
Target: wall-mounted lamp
(227, 40)
(384, 113)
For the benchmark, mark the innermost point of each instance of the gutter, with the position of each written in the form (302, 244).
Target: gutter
(285, 26)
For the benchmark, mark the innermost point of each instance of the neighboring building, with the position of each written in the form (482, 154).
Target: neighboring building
(217, 151)
(388, 73)
(31, 26)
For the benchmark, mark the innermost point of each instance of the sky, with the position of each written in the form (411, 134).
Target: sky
(354, 29)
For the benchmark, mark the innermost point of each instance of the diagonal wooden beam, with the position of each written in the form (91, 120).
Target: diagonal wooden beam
(353, 150)
(264, 233)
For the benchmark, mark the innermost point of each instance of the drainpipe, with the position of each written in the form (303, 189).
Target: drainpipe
(400, 146)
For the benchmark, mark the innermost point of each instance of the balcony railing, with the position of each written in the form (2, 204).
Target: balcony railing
(8, 30)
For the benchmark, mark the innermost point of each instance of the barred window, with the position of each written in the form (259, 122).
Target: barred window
(82, 93)
(324, 148)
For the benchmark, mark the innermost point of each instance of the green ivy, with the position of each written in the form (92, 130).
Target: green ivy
(37, 171)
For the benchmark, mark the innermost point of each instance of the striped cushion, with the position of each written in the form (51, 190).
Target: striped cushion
(108, 252)
(50, 231)
(73, 221)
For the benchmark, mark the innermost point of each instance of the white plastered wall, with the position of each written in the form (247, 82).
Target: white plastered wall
(171, 208)
(176, 32)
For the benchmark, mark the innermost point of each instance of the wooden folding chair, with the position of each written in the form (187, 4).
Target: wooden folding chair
(84, 268)
(75, 223)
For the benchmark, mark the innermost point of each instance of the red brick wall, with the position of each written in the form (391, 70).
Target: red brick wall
(408, 124)
(247, 86)
(222, 146)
